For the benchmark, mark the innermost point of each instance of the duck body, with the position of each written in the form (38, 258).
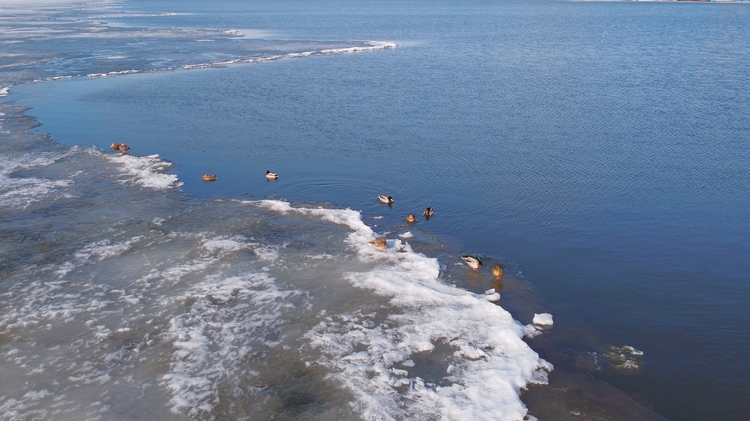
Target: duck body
(497, 271)
(272, 175)
(475, 262)
(385, 199)
(410, 218)
(428, 212)
(379, 243)
(120, 147)
(209, 177)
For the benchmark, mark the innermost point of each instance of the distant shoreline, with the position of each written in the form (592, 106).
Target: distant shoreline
(670, 1)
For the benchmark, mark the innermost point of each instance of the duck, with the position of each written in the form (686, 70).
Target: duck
(271, 175)
(385, 199)
(410, 218)
(120, 147)
(428, 212)
(379, 243)
(209, 177)
(497, 271)
(475, 262)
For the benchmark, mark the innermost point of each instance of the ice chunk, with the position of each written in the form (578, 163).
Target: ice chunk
(542, 319)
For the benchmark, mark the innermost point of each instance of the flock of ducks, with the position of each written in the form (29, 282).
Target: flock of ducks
(211, 177)
(206, 177)
(474, 262)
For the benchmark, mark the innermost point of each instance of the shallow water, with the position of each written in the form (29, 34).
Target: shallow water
(590, 146)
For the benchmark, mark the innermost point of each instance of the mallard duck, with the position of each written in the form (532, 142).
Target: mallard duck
(120, 147)
(497, 271)
(385, 199)
(475, 262)
(209, 177)
(379, 243)
(428, 212)
(410, 218)
(271, 175)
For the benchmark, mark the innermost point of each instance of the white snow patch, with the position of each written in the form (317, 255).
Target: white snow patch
(147, 171)
(542, 319)
(226, 243)
(269, 253)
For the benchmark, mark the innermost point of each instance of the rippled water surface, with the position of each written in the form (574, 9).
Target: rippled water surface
(598, 150)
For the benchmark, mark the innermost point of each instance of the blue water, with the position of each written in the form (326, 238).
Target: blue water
(599, 148)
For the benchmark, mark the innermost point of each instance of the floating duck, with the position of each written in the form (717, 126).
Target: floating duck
(497, 271)
(410, 219)
(385, 199)
(271, 175)
(120, 147)
(428, 212)
(209, 177)
(475, 262)
(379, 243)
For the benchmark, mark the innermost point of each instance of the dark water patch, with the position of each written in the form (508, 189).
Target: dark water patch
(573, 396)
(432, 367)
(292, 388)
